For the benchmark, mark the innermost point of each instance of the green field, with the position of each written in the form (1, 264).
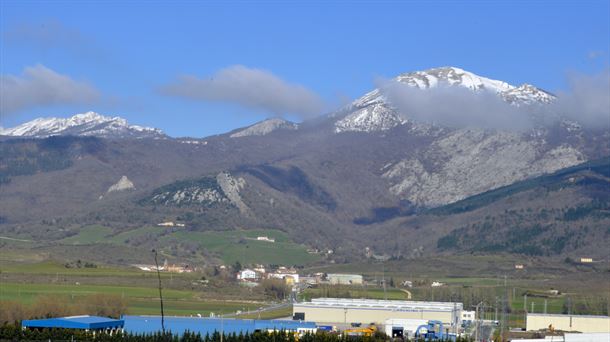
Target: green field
(56, 269)
(230, 246)
(271, 314)
(141, 300)
(88, 235)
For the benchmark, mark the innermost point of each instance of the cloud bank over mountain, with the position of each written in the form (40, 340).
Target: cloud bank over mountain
(251, 88)
(41, 86)
(455, 107)
(586, 101)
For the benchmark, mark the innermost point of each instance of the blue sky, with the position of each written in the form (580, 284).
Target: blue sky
(128, 58)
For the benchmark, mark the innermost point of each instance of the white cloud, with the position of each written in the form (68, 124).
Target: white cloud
(587, 100)
(41, 86)
(455, 107)
(251, 88)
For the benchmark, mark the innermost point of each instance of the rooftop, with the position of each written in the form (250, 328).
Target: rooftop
(178, 325)
(75, 322)
(385, 304)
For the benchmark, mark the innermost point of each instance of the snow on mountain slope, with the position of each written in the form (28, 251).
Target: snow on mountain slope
(377, 117)
(86, 124)
(451, 76)
(372, 112)
(526, 94)
(265, 127)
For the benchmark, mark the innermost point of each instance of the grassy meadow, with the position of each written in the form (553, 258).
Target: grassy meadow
(229, 246)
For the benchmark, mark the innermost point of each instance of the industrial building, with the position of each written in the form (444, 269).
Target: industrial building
(344, 279)
(580, 323)
(85, 322)
(179, 325)
(346, 311)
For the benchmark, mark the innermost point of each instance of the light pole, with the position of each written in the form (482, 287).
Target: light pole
(478, 320)
(160, 293)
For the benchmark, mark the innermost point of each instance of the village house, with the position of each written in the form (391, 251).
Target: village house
(247, 275)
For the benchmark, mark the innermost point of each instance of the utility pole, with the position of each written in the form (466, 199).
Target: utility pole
(525, 309)
(455, 314)
(160, 293)
(478, 320)
(385, 295)
(505, 307)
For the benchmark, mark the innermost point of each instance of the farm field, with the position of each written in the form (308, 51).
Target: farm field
(229, 246)
(141, 300)
(242, 246)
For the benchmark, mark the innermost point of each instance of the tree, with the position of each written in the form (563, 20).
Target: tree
(106, 305)
(48, 306)
(276, 288)
(12, 312)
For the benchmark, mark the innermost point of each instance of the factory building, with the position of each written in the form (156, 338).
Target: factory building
(580, 323)
(203, 326)
(365, 311)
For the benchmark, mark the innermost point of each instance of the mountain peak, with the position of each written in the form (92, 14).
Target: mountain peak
(452, 76)
(373, 112)
(265, 127)
(83, 124)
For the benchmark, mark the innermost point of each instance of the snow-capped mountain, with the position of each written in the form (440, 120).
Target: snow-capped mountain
(457, 163)
(265, 127)
(85, 124)
(373, 112)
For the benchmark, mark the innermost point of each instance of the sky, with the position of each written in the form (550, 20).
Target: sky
(198, 68)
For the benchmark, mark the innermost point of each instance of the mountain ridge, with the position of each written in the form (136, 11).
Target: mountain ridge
(324, 188)
(84, 124)
(369, 113)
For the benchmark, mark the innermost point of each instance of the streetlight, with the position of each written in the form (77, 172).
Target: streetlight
(478, 321)
(160, 293)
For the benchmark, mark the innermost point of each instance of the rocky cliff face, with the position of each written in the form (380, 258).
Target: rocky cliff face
(122, 185)
(467, 162)
(231, 187)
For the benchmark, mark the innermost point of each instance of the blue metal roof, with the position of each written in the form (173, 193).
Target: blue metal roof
(179, 325)
(75, 322)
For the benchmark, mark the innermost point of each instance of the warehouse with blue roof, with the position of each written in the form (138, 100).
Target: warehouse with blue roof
(203, 326)
(176, 325)
(85, 322)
